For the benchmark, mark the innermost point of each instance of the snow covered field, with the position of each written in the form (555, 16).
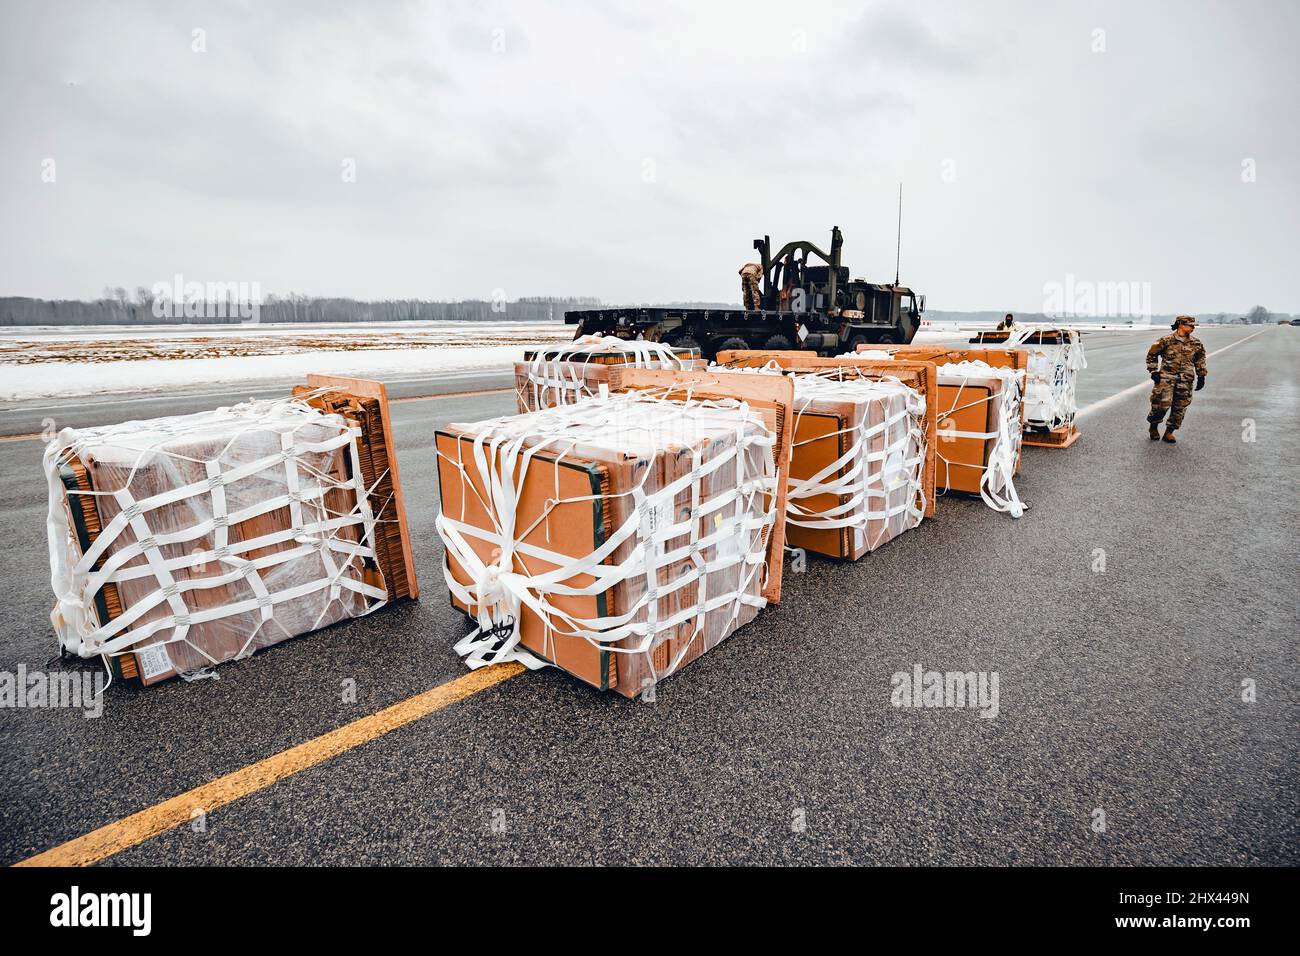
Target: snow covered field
(51, 362)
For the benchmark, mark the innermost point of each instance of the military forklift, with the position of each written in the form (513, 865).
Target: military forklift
(801, 297)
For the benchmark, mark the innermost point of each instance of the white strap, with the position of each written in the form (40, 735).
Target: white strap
(739, 517)
(997, 485)
(1049, 393)
(305, 435)
(558, 376)
(858, 477)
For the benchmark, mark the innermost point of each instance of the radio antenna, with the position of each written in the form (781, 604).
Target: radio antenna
(898, 249)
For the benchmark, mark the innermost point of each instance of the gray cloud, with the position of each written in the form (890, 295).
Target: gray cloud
(633, 151)
(893, 36)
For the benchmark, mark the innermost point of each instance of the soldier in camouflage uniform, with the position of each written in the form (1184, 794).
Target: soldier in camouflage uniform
(1171, 362)
(751, 286)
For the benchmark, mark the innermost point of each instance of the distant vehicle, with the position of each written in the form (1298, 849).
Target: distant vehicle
(799, 306)
(1295, 321)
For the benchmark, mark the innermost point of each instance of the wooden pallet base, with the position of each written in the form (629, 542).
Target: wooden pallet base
(1062, 437)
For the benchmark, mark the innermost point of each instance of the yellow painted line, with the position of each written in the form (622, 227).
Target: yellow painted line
(428, 398)
(161, 817)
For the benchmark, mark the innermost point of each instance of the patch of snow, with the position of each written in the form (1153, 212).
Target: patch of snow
(65, 379)
(541, 330)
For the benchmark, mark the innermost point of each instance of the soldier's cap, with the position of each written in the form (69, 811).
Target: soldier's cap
(1189, 319)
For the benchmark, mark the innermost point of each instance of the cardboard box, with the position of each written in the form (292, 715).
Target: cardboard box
(948, 354)
(564, 375)
(1053, 358)
(919, 376)
(969, 408)
(857, 472)
(772, 397)
(365, 404)
(941, 355)
(203, 543)
(618, 539)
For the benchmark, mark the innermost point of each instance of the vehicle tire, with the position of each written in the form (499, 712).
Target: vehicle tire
(686, 341)
(733, 344)
(778, 343)
(887, 338)
(854, 341)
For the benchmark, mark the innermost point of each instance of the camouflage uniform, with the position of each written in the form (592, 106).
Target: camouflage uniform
(751, 291)
(1180, 361)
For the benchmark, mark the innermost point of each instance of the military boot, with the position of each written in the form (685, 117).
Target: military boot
(1169, 436)
(1154, 432)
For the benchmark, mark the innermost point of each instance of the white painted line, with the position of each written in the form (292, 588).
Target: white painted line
(1133, 389)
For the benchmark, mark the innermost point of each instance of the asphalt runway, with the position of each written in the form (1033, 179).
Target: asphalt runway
(1120, 692)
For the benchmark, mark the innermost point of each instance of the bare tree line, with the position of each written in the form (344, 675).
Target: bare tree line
(119, 307)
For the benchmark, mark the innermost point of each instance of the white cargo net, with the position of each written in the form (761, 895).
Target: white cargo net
(1052, 371)
(866, 480)
(555, 375)
(273, 447)
(741, 518)
(997, 485)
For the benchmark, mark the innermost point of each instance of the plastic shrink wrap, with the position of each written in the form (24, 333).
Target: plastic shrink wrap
(857, 477)
(577, 370)
(180, 543)
(618, 539)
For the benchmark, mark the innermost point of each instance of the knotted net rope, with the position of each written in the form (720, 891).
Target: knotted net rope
(997, 484)
(865, 479)
(555, 376)
(281, 451)
(1052, 372)
(722, 530)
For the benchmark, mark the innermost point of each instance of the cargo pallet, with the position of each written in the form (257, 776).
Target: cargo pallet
(1061, 437)
(360, 400)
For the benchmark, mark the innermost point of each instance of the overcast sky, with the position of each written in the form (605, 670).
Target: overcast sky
(633, 151)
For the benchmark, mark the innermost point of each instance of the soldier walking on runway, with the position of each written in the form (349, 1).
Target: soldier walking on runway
(1172, 361)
